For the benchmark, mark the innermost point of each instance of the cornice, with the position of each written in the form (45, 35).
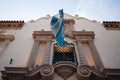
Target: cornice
(47, 34)
(83, 34)
(11, 24)
(42, 33)
(46, 72)
(13, 21)
(6, 37)
(111, 25)
(111, 21)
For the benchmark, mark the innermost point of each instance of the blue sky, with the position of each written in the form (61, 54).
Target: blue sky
(100, 10)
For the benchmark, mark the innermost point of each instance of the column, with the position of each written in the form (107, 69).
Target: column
(82, 57)
(41, 53)
(96, 56)
(33, 54)
(48, 51)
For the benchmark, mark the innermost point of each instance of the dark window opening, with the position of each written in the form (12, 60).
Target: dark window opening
(66, 53)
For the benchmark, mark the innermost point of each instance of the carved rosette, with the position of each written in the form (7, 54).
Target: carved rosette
(83, 73)
(47, 72)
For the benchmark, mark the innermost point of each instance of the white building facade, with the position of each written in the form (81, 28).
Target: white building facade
(28, 51)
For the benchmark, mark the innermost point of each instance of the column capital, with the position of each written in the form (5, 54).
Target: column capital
(83, 34)
(47, 34)
(6, 37)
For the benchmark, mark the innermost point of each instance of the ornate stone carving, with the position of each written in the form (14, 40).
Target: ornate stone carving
(83, 73)
(47, 72)
(82, 36)
(65, 69)
(46, 34)
(68, 27)
(68, 31)
(43, 40)
(6, 37)
(48, 49)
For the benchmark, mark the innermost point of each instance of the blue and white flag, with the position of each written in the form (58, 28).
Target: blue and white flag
(57, 28)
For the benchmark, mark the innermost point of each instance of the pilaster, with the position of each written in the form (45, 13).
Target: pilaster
(96, 56)
(48, 50)
(5, 40)
(44, 38)
(82, 57)
(33, 54)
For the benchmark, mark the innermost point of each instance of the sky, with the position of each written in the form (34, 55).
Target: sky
(100, 10)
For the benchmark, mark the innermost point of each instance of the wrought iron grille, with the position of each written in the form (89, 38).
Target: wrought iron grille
(66, 53)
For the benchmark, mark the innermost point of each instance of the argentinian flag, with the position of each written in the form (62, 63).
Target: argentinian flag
(57, 28)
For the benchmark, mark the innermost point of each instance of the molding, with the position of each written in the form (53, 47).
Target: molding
(82, 57)
(42, 33)
(111, 22)
(45, 34)
(4, 41)
(6, 37)
(46, 72)
(69, 21)
(89, 73)
(65, 15)
(11, 24)
(84, 34)
(46, 38)
(111, 25)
